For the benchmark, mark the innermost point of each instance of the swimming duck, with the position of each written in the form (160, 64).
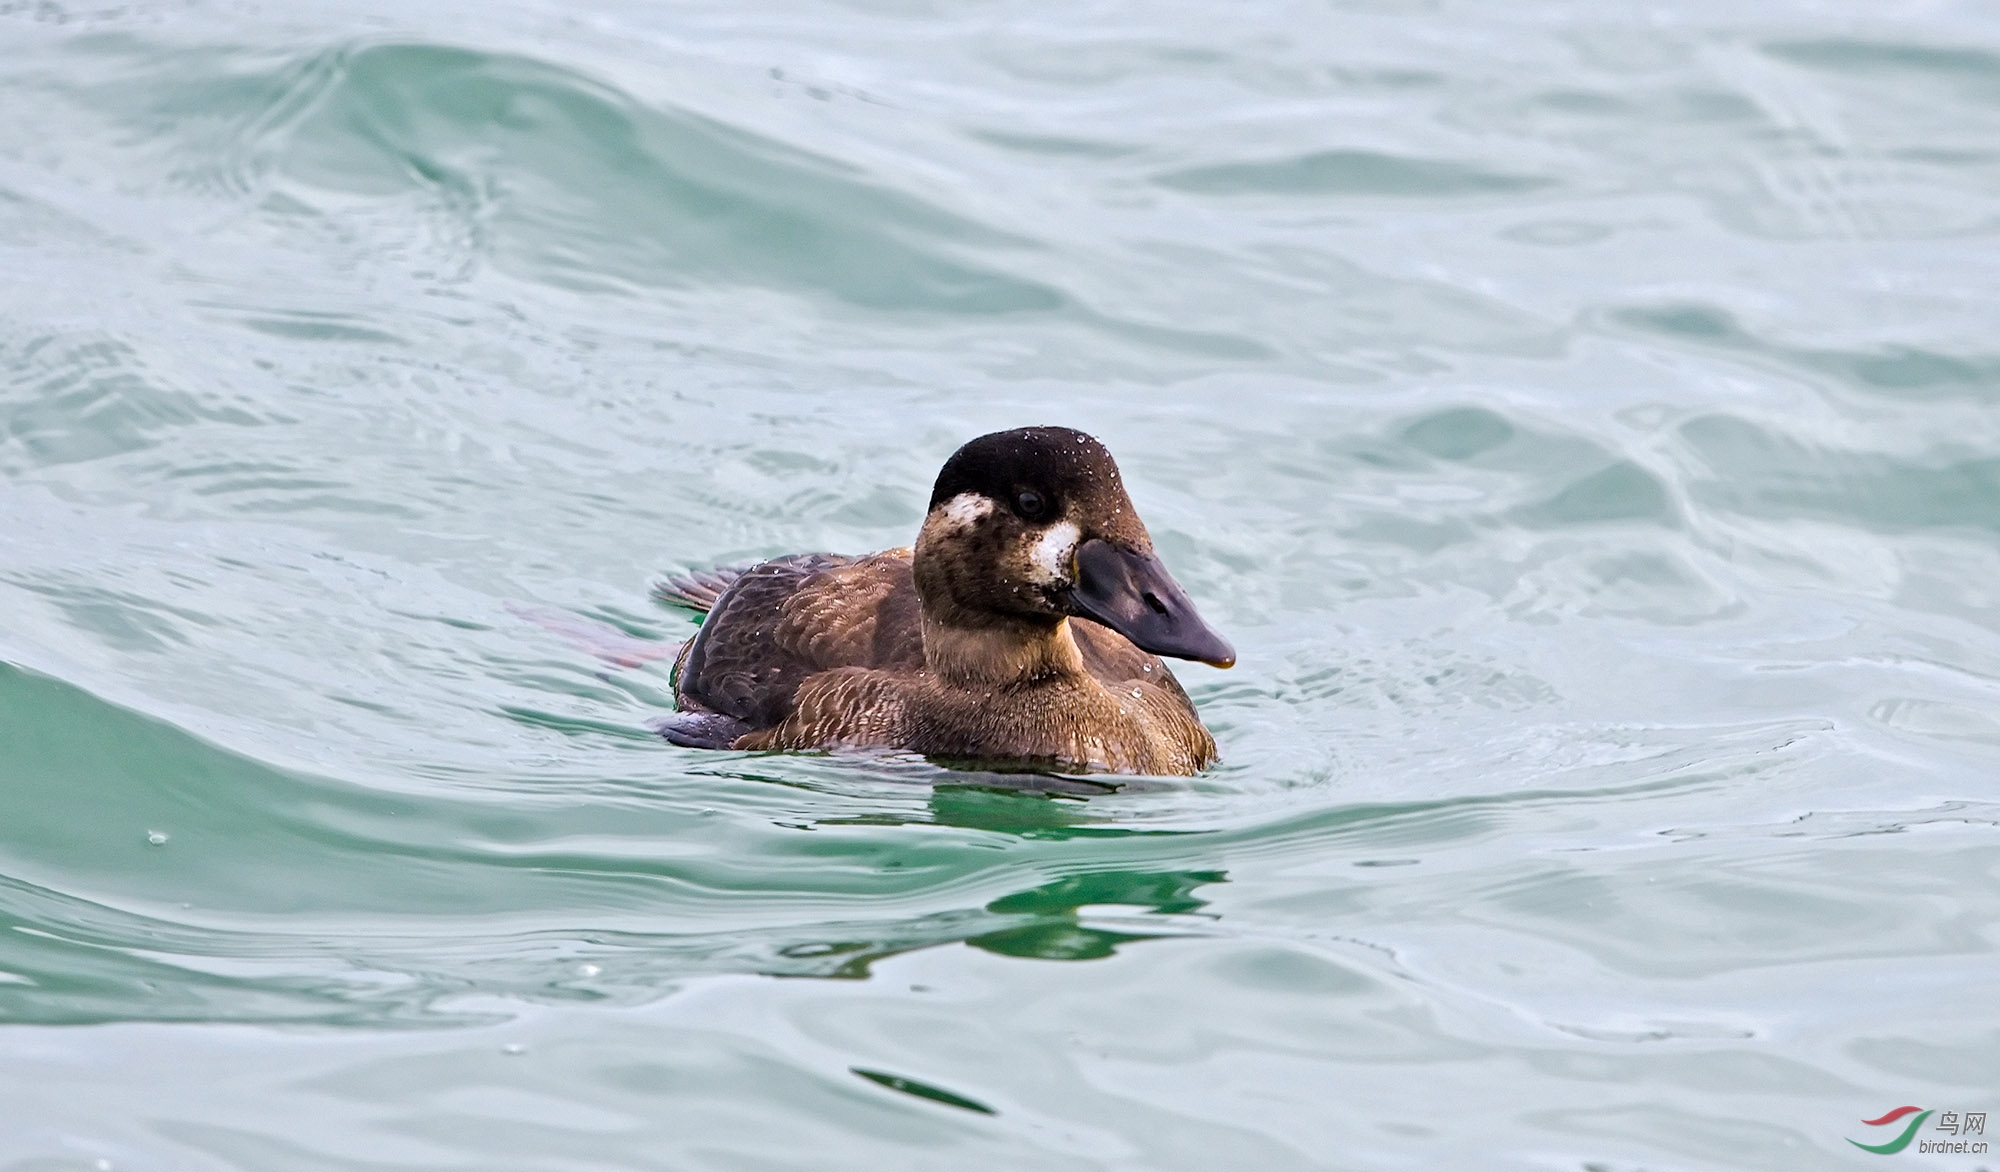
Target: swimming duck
(1027, 623)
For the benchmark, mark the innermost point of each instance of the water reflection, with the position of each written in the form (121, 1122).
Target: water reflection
(1054, 931)
(77, 965)
(1040, 923)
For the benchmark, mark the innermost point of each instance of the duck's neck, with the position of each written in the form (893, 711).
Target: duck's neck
(1007, 653)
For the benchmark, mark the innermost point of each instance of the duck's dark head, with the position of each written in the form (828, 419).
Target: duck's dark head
(1032, 526)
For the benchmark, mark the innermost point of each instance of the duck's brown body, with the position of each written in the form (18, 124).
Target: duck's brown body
(970, 645)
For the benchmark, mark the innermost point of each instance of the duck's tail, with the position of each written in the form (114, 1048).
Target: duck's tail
(698, 589)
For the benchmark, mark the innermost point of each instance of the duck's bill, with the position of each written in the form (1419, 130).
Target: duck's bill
(1132, 593)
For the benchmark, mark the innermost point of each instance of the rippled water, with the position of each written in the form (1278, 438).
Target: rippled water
(1582, 419)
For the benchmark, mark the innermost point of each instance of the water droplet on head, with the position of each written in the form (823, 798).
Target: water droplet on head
(513, 1048)
(157, 837)
(102, 1165)
(588, 970)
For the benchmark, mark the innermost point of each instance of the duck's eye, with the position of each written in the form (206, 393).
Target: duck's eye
(1030, 504)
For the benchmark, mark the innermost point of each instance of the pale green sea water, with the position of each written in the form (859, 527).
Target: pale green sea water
(1585, 419)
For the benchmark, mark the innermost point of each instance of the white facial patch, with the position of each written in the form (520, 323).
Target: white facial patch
(1050, 556)
(966, 510)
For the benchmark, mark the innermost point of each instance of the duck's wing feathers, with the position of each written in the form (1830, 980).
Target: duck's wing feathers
(779, 622)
